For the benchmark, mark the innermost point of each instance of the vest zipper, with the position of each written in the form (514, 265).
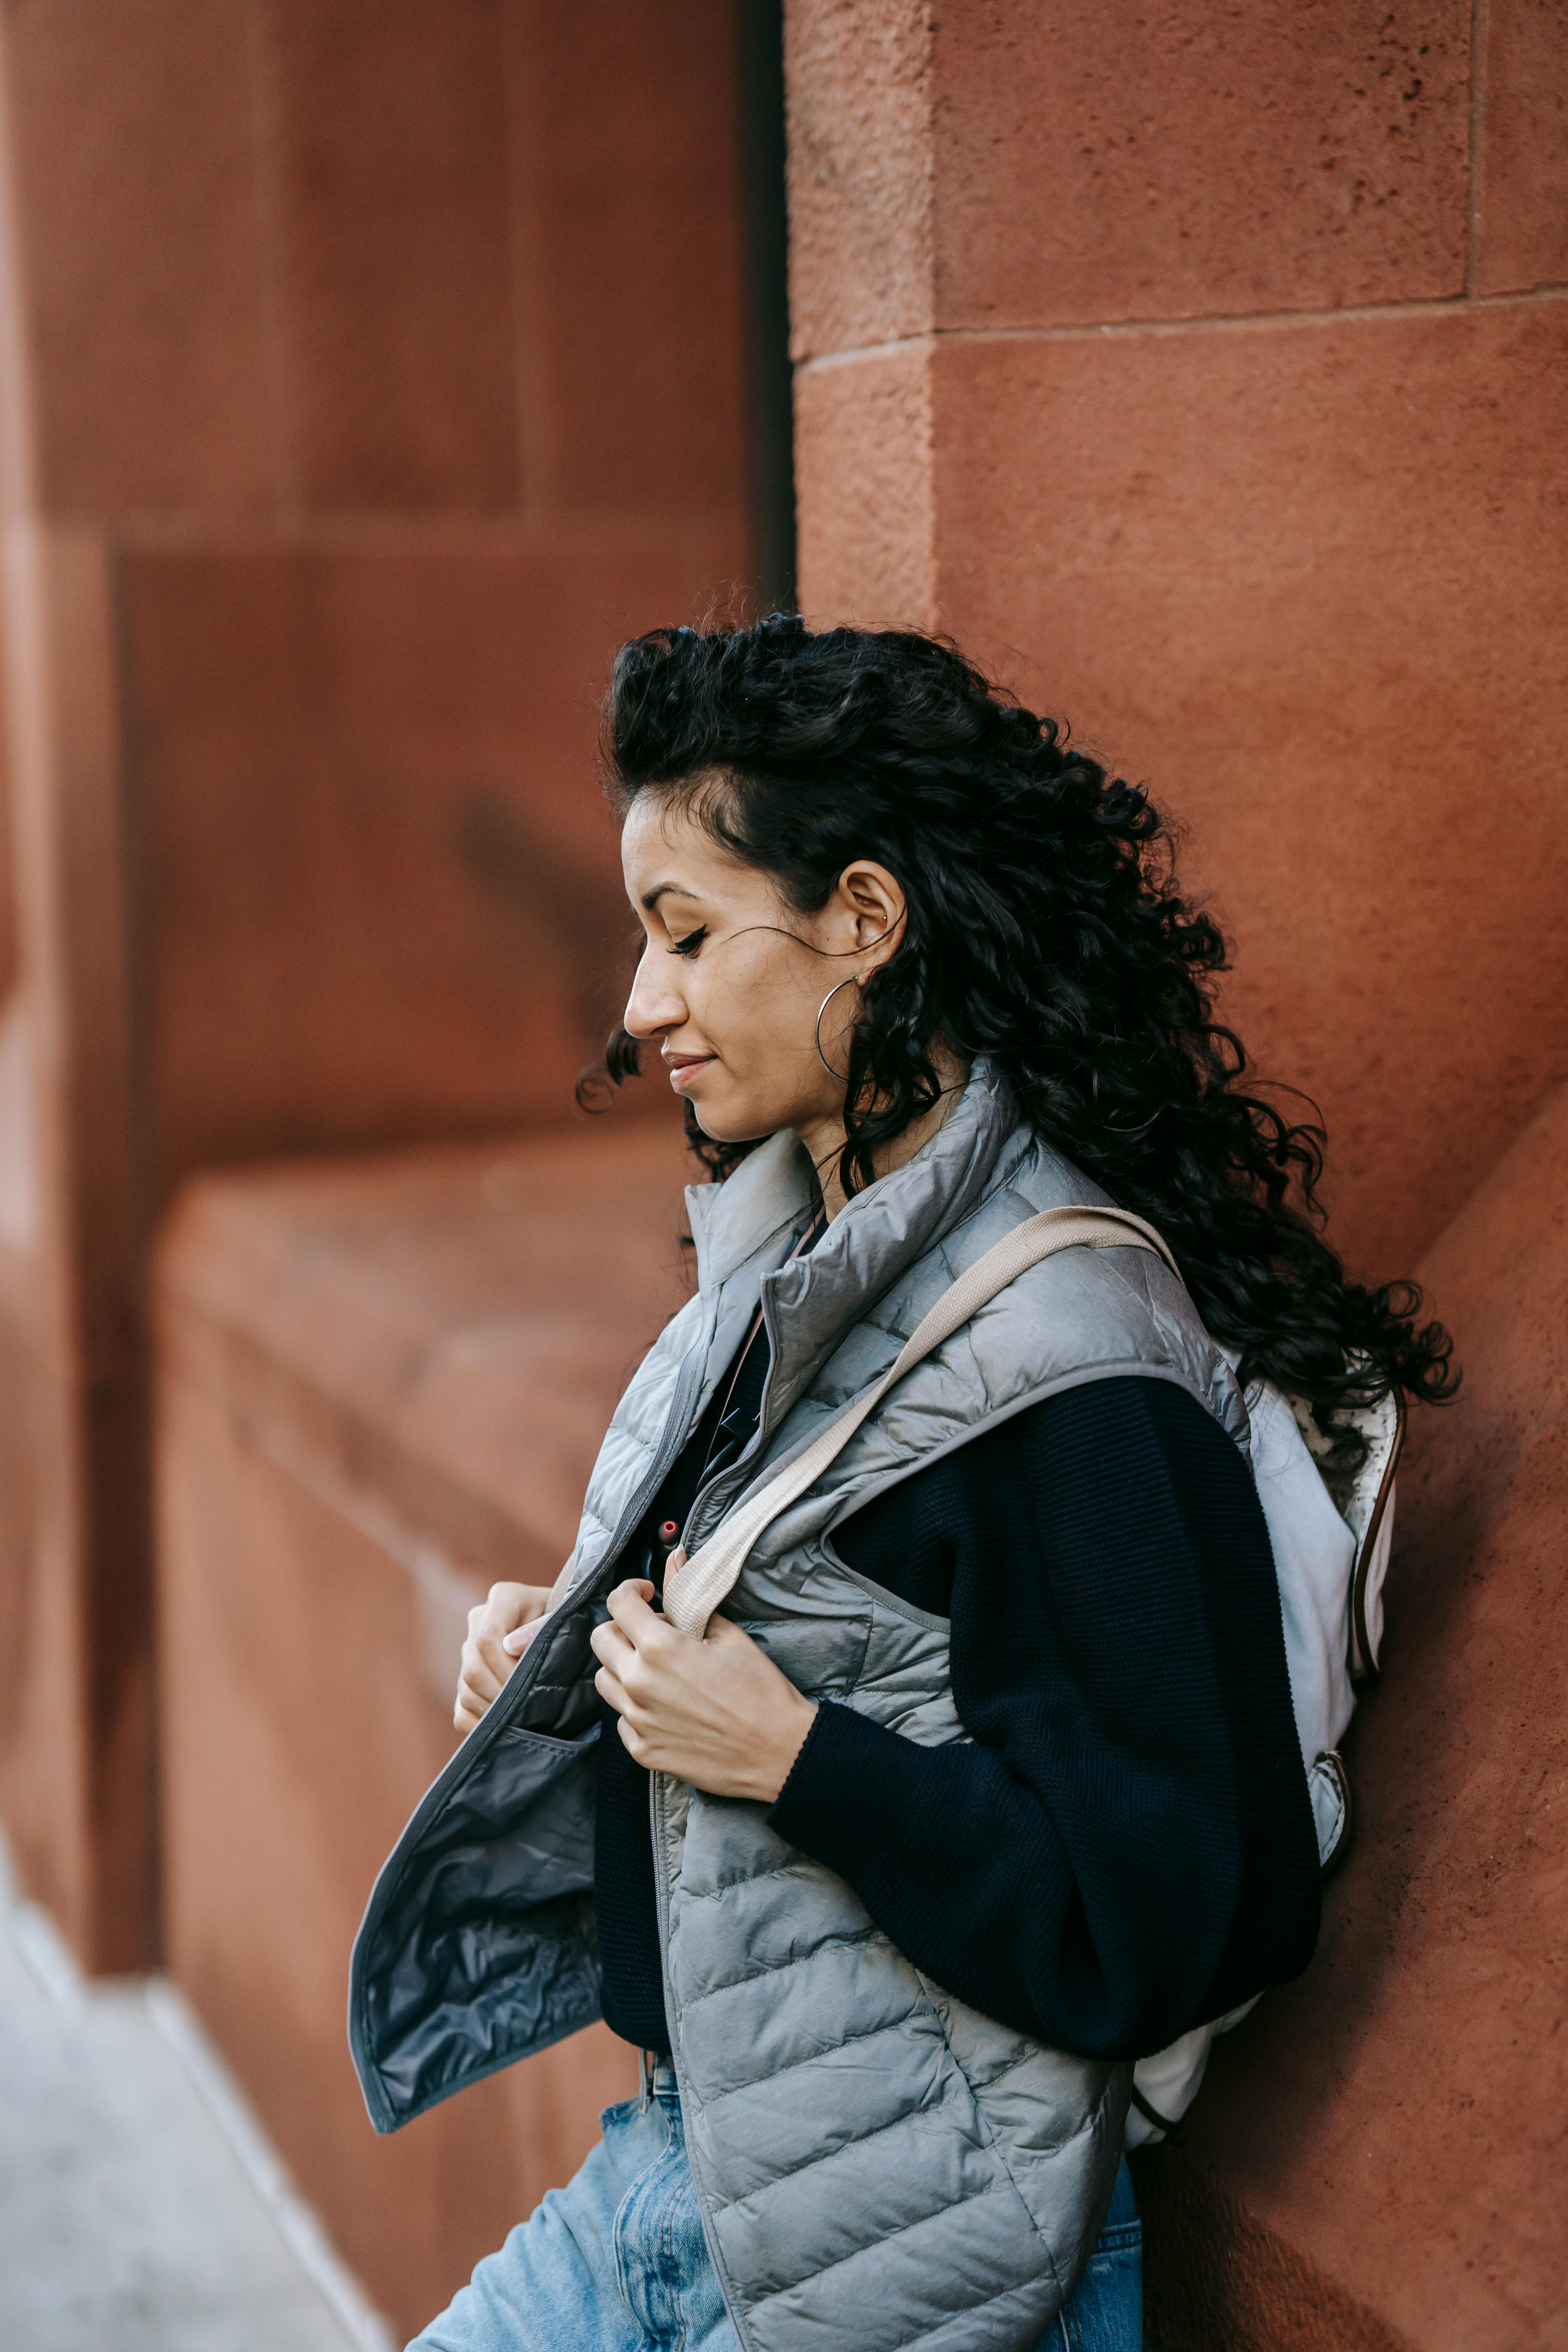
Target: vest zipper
(734, 1471)
(471, 1753)
(526, 1673)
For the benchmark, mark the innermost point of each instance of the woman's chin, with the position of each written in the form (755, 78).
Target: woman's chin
(731, 1123)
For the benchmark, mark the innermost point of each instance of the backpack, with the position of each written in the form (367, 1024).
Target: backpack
(1331, 1545)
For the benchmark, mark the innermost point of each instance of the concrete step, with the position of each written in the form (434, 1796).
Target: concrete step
(142, 2209)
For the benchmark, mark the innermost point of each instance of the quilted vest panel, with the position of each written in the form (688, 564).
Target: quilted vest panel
(879, 2166)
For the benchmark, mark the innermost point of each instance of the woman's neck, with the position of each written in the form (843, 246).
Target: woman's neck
(824, 1138)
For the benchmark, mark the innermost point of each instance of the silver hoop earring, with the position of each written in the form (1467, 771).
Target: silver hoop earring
(841, 1075)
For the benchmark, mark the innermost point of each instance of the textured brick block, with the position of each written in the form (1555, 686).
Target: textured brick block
(38, 1788)
(138, 224)
(384, 888)
(384, 130)
(449, 1330)
(866, 502)
(1308, 581)
(1524, 194)
(1391, 2126)
(998, 166)
(1170, 163)
(860, 172)
(629, 263)
(9, 945)
(82, 1781)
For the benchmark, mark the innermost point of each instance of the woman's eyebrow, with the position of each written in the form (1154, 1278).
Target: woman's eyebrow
(651, 898)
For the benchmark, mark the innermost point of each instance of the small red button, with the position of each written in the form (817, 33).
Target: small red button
(669, 1532)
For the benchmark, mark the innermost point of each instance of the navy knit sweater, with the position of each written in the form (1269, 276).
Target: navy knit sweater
(1126, 1849)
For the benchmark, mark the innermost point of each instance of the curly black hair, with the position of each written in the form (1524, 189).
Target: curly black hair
(1045, 928)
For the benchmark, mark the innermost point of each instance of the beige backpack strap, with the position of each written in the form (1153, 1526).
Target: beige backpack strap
(694, 1588)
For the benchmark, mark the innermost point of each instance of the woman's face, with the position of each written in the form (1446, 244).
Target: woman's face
(731, 980)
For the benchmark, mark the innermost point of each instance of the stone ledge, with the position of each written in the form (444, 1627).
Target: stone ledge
(441, 1333)
(381, 1383)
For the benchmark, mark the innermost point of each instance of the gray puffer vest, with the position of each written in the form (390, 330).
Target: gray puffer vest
(877, 2165)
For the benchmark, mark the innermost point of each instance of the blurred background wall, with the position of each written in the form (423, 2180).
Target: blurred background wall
(367, 370)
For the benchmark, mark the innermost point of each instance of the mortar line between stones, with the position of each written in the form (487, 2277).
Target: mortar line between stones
(371, 530)
(1440, 306)
(1477, 134)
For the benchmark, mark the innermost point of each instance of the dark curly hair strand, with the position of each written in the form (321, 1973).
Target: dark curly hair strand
(1045, 928)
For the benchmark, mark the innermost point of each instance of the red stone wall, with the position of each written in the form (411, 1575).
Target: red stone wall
(1379, 2158)
(391, 357)
(366, 374)
(1207, 375)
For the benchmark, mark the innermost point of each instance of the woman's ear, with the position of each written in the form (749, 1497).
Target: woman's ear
(876, 906)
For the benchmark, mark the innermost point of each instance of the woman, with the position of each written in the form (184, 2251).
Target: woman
(987, 1781)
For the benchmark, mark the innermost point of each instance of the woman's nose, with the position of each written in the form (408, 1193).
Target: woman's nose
(654, 1005)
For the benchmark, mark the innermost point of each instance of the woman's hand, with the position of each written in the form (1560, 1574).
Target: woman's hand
(717, 1712)
(485, 1662)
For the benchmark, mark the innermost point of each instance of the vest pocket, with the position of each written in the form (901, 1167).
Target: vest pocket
(537, 1791)
(822, 1656)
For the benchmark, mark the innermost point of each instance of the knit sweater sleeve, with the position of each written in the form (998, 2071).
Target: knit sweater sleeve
(1126, 1848)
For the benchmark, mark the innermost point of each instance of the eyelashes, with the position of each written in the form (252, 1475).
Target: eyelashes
(690, 943)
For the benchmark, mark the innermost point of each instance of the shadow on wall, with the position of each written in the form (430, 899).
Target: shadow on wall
(550, 910)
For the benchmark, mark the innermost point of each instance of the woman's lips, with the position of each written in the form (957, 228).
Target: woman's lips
(684, 1067)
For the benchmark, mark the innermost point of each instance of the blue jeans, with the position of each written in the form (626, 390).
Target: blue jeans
(617, 2261)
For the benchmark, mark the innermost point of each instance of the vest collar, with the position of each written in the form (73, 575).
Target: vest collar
(883, 1230)
(735, 1222)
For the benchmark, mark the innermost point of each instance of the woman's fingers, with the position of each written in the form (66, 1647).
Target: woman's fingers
(504, 1609)
(475, 1677)
(517, 1640)
(476, 1692)
(629, 1605)
(613, 1692)
(717, 1713)
(631, 1648)
(627, 1645)
(724, 1634)
(613, 1650)
(484, 1665)
(470, 1708)
(511, 1610)
(635, 1742)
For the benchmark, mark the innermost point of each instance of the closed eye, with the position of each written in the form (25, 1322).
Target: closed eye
(690, 943)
